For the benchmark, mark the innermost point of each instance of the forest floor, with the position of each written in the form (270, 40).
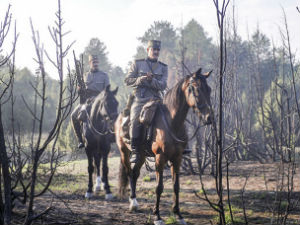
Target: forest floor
(69, 206)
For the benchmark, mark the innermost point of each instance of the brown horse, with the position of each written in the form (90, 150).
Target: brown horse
(169, 137)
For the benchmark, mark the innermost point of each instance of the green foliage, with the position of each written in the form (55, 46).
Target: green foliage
(67, 140)
(283, 205)
(189, 182)
(147, 178)
(22, 89)
(201, 191)
(260, 43)
(117, 77)
(163, 31)
(199, 47)
(171, 219)
(236, 213)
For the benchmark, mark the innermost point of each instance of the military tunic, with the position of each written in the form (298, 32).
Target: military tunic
(144, 90)
(96, 81)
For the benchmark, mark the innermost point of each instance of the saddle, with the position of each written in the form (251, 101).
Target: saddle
(148, 112)
(146, 119)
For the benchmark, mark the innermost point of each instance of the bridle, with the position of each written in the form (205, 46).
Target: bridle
(106, 120)
(198, 107)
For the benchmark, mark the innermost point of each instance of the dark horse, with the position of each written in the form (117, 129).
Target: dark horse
(97, 137)
(169, 137)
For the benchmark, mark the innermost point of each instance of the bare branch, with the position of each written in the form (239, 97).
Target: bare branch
(28, 108)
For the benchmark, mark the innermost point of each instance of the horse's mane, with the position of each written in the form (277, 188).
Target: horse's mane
(173, 96)
(101, 95)
(95, 106)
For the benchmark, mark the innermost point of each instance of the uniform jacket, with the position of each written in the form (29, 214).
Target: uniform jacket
(145, 89)
(96, 81)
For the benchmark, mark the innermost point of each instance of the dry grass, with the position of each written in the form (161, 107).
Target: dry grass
(70, 207)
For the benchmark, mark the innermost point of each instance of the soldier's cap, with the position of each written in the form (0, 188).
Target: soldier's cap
(154, 44)
(93, 58)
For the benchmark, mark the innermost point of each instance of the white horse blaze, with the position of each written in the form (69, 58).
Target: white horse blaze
(88, 195)
(98, 184)
(109, 196)
(159, 222)
(133, 204)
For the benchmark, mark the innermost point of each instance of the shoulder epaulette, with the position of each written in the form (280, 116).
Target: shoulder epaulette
(162, 63)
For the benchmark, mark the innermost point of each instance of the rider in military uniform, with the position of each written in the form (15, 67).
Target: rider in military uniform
(148, 77)
(95, 81)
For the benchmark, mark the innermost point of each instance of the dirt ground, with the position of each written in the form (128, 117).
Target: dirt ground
(70, 207)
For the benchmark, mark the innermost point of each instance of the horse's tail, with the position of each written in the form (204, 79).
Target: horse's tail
(123, 180)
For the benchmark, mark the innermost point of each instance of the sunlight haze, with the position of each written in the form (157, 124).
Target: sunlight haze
(118, 23)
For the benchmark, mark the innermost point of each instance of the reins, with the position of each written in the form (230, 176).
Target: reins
(91, 126)
(171, 132)
(198, 107)
(168, 127)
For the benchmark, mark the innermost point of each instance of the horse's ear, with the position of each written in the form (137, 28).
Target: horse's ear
(198, 73)
(115, 91)
(107, 88)
(206, 75)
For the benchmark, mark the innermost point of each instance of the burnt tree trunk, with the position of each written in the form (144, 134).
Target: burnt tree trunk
(6, 207)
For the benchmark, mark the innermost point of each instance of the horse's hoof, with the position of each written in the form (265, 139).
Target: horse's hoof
(133, 204)
(109, 197)
(88, 195)
(159, 222)
(181, 221)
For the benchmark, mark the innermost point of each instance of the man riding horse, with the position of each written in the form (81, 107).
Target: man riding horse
(95, 82)
(148, 77)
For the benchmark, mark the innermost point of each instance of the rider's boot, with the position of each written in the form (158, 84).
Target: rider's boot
(77, 129)
(135, 154)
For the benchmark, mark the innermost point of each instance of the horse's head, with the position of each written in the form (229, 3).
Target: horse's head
(197, 93)
(109, 105)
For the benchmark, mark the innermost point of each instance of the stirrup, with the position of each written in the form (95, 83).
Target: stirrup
(187, 152)
(80, 145)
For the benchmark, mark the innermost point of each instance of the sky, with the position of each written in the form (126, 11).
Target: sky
(118, 23)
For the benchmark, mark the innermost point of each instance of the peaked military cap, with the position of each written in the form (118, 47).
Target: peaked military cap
(93, 58)
(154, 44)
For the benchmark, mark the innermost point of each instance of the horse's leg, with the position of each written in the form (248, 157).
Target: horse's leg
(134, 175)
(108, 194)
(175, 169)
(124, 171)
(97, 158)
(89, 154)
(159, 166)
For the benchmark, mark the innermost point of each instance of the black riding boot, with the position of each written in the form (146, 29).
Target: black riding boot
(135, 154)
(77, 129)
